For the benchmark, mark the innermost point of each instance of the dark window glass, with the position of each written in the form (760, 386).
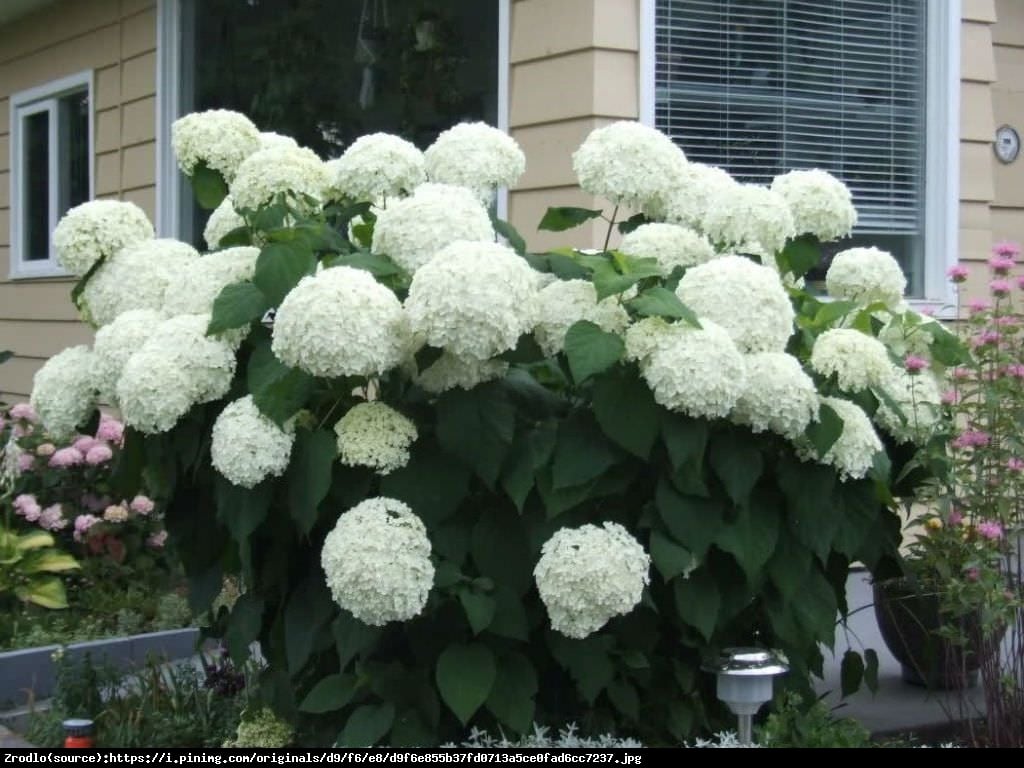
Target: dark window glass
(36, 168)
(73, 117)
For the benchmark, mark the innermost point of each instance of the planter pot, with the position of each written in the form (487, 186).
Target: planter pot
(908, 622)
(28, 673)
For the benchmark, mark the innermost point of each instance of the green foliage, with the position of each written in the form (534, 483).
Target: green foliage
(28, 564)
(559, 219)
(209, 186)
(795, 723)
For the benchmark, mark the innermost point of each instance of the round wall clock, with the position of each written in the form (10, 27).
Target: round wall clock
(1007, 144)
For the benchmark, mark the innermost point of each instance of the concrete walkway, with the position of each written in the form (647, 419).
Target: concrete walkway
(9, 740)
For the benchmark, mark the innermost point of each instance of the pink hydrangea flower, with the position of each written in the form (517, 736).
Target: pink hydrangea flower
(26, 461)
(1015, 465)
(66, 457)
(971, 438)
(958, 274)
(157, 540)
(990, 530)
(1000, 287)
(914, 364)
(1007, 249)
(23, 429)
(32, 512)
(84, 443)
(1001, 265)
(99, 454)
(23, 412)
(24, 500)
(46, 449)
(142, 505)
(52, 518)
(110, 430)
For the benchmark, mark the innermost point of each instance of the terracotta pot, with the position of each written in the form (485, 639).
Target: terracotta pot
(908, 622)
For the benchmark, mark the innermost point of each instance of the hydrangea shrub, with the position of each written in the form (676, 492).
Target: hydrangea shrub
(467, 485)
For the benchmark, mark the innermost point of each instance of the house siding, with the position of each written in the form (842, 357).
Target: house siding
(117, 40)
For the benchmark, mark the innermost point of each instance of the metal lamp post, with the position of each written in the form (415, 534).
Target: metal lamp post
(745, 678)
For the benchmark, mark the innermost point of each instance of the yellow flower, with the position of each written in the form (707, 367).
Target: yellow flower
(934, 524)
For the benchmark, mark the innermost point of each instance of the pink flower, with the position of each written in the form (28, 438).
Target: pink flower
(84, 443)
(52, 518)
(972, 574)
(971, 438)
(977, 305)
(142, 505)
(23, 412)
(46, 449)
(23, 429)
(961, 374)
(157, 540)
(1015, 465)
(32, 512)
(1007, 249)
(1001, 265)
(955, 517)
(98, 454)
(1020, 282)
(990, 530)
(82, 524)
(24, 500)
(1006, 321)
(949, 397)
(25, 462)
(958, 274)
(914, 364)
(1000, 287)
(1015, 371)
(110, 430)
(66, 457)
(928, 311)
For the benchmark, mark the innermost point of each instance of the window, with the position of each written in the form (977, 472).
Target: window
(51, 167)
(761, 87)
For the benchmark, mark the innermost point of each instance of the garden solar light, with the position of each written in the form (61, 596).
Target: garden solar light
(745, 682)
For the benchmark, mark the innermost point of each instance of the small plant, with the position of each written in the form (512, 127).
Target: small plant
(28, 567)
(795, 723)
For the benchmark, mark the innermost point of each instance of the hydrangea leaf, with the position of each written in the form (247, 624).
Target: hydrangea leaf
(309, 475)
(824, 432)
(697, 601)
(661, 302)
(670, 558)
(329, 694)
(634, 428)
(591, 350)
(465, 677)
(512, 697)
(209, 186)
(561, 218)
(244, 625)
(279, 268)
(738, 464)
(367, 725)
(236, 306)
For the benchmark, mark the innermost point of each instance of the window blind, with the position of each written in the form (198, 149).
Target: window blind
(761, 87)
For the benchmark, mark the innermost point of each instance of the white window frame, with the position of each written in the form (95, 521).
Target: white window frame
(169, 108)
(942, 148)
(43, 98)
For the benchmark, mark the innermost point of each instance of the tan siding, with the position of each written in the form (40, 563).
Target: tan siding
(979, 10)
(117, 40)
(1007, 212)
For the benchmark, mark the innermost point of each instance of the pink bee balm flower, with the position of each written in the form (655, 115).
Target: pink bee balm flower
(961, 374)
(1001, 265)
(955, 518)
(949, 397)
(1015, 465)
(914, 364)
(25, 462)
(46, 449)
(23, 412)
(977, 305)
(1007, 249)
(1006, 321)
(1000, 287)
(971, 438)
(157, 540)
(52, 518)
(99, 454)
(142, 505)
(84, 443)
(958, 274)
(928, 311)
(32, 512)
(83, 523)
(1015, 371)
(984, 338)
(1020, 282)
(990, 530)
(110, 430)
(66, 457)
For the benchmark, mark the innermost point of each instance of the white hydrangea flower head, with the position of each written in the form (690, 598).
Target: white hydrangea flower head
(117, 342)
(377, 562)
(866, 275)
(588, 575)
(341, 322)
(375, 167)
(177, 367)
(95, 230)
(748, 217)
(194, 290)
(629, 164)
(223, 220)
(562, 303)
(670, 244)
(219, 138)
(476, 156)
(247, 447)
(411, 231)
(375, 435)
(919, 400)
(853, 454)
(858, 361)
(264, 175)
(271, 140)
(820, 203)
(687, 201)
(779, 396)
(699, 372)
(64, 391)
(450, 372)
(745, 298)
(474, 299)
(136, 277)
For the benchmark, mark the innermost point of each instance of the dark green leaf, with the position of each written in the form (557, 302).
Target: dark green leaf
(800, 255)
(367, 725)
(609, 282)
(465, 678)
(279, 268)
(531, 450)
(432, 483)
(697, 601)
(527, 350)
(479, 609)
(427, 356)
(624, 698)
(309, 608)
(331, 693)
(670, 558)
(285, 396)
(851, 672)
(824, 432)
(501, 550)
(511, 698)
(630, 224)
(309, 475)
(236, 306)
(626, 411)
(242, 510)
(510, 617)
(751, 537)
(76, 292)
(693, 522)
(871, 670)
(581, 453)
(561, 218)
(352, 637)
(661, 302)
(375, 264)
(830, 311)
(506, 230)
(477, 426)
(738, 464)
(685, 439)
(591, 350)
(816, 608)
(587, 660)
(565, 267)
(808, 489)
(244, 626)
(209, 186)
(946, 348)
(238, 236)
(789, 566)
